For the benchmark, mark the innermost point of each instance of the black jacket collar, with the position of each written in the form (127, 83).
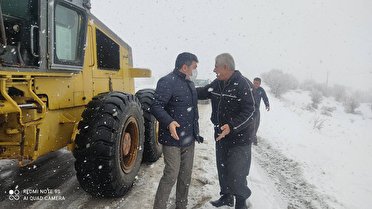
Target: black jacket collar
(178, 73)
(234, 77)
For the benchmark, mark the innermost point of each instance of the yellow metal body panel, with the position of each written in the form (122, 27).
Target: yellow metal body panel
(140, 73)
(31, 127)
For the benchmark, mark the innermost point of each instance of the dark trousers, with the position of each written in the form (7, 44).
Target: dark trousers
(178, 167)
(256, 125)
(233, 164)
(256, 121)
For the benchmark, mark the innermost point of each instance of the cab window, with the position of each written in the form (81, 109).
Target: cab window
(69, 35)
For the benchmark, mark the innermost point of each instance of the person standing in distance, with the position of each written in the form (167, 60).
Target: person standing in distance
(175, 107)
(233, 106)
(259, 93)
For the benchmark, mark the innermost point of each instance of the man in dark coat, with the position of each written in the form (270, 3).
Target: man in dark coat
(233, 107)
(175, 107)
(259, 93)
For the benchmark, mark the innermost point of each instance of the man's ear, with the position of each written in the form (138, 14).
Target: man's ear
(184, 68)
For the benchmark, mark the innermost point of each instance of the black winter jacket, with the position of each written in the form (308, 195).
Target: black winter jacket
(176, 100)
(233, 104)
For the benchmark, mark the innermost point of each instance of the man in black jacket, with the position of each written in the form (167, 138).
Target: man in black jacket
(233, 107)
(259, 93)
(175, 107)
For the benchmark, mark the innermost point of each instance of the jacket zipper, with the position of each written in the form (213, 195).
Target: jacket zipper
(218, 106)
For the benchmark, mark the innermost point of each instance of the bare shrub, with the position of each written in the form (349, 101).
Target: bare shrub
(327, 110)
(351, 102)
(339, 92)
(279, 82)
(308, 85)
(309, 107)
(318, 123)
(316, 98)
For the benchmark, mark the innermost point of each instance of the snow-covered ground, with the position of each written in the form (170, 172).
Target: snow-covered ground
(305, 159)
(57, 172)
(332, 148)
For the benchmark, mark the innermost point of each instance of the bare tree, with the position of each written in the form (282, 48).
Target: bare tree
(279, 82)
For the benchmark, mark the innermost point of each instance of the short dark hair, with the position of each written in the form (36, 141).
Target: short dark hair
(257, 79)
(185, 58)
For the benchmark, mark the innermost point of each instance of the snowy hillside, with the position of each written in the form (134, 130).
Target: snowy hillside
(331, 147)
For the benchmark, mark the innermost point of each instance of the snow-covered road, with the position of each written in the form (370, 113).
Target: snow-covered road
(275, 180)
(56, 173)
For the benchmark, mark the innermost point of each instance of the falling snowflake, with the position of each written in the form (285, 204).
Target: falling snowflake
(189, 109)
(115, 113)
(100, 167)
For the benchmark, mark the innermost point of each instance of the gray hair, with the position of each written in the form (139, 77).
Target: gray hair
(226, 59)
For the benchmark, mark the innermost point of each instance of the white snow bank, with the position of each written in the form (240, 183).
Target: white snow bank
(334, 150)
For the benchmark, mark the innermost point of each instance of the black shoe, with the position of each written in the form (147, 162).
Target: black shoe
(226, 199)
(240, 203)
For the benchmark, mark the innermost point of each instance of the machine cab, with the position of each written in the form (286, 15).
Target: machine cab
(43, 35)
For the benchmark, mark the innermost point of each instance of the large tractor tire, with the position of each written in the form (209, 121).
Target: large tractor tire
(109, 145)
(153, 148)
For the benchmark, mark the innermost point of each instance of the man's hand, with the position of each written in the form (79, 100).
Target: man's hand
(267, 108)
(225, 130)
(173, 129)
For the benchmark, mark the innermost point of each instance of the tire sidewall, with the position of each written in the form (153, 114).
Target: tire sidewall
(153, 149)
(132, 110)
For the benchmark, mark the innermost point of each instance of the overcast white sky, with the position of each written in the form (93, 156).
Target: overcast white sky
(306, 38)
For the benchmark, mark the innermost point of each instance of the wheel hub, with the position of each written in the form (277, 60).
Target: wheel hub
(127, 143)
